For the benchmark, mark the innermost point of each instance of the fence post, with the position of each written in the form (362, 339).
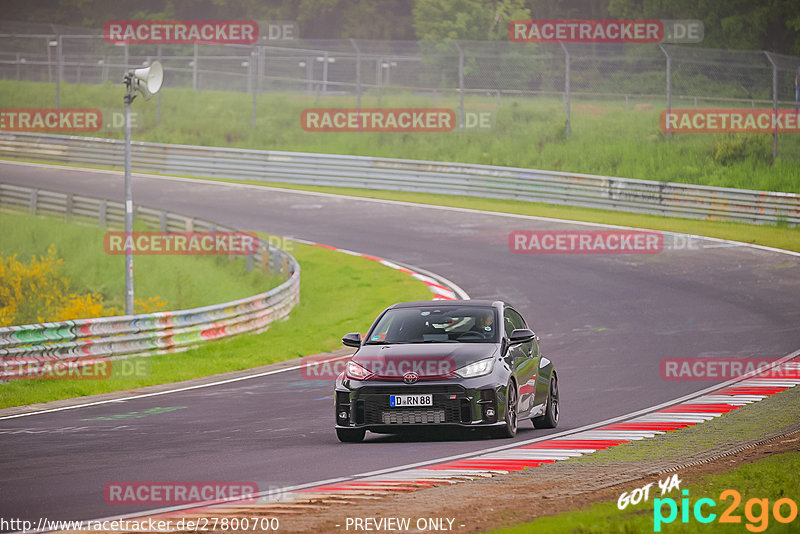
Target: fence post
(194, 68)
(251, 78)
(34, 201)
(101, 216)
(261, 69)
(774, 105)
(567, 95)
(158, 102)
(325, 73)
(358, 77)
(378, 77)
(68, 209)
(18, 71)
(126, 49)
(460, 87)
(309, 74)
(59, 70)
(669, 89)
(49, 60)
(265, 267)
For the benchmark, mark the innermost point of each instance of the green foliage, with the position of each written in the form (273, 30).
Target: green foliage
(733, 148)
(772, 25)
(183, 281)
(608, 137)
(339, 293)
(476, 20)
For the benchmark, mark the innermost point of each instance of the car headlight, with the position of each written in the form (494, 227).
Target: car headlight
(356, 372)
(480, 368)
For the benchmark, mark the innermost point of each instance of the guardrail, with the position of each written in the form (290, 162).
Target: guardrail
(584, 190)
(29, 346)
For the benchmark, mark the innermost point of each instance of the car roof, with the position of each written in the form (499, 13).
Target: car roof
(449, 303)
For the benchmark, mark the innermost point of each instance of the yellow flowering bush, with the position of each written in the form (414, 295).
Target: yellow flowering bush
(36, 293)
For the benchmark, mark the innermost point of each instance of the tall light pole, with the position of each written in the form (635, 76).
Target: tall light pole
(146, 81)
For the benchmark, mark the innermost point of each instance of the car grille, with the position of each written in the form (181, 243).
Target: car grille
(394, 417)
(373, 406)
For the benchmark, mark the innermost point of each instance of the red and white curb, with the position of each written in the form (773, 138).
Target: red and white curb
(688, 411)
(441, 288)
(706, 407)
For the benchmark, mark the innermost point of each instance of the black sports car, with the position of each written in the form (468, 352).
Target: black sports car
(462, 363)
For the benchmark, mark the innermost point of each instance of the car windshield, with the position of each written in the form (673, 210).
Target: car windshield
(432, 324)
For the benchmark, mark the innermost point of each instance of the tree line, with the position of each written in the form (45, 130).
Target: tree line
(772, 25)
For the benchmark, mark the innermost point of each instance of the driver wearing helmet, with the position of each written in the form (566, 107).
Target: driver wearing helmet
(484, 323)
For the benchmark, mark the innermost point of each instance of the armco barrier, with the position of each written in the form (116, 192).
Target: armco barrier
(147, 333)
(623, 194)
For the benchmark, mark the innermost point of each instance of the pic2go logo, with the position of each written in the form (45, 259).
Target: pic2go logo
(756, 511)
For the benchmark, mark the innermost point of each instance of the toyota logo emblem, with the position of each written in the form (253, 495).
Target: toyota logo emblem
(410, 378)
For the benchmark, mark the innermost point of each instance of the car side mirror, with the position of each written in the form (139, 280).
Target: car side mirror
(352, 340)
(521, 335)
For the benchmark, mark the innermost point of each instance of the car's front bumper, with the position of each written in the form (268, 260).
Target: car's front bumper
(468, 403)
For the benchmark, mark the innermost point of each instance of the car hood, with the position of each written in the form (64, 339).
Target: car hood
(430, 361)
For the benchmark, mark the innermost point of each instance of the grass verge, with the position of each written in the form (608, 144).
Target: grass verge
(608, 137)
(770, 479)
(339, 293)
(183, 281)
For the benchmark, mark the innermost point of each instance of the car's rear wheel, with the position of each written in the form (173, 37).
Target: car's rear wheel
(509, 430)
(350, 435)
(550, 417)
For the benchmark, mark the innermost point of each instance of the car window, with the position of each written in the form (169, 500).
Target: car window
(432, 324)
(507, 323)
(513, 321)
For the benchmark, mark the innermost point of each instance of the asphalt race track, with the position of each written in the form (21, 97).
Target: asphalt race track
(605, 320)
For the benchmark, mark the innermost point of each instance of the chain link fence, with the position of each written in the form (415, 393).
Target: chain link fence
(651, 76)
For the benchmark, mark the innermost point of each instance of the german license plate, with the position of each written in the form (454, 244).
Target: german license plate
(397, 401)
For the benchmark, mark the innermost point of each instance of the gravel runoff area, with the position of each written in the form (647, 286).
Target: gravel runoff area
(739, 437)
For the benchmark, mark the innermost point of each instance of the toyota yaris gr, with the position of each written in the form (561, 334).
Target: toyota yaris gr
(436, 364)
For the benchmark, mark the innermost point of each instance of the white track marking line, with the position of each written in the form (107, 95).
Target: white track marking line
(428, 206)
(415, 471)
(177, 390)
(401, 203)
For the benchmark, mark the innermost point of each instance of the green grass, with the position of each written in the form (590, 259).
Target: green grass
(339, 293)
(771, 478)
(183, 281)
(607, 138)
(774, 478)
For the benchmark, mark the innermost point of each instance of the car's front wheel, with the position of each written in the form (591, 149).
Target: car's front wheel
(509, 429)
(550, 417)
(350, 435)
